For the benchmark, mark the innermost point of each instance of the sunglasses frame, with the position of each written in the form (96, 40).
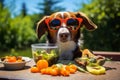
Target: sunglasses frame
(47, 21)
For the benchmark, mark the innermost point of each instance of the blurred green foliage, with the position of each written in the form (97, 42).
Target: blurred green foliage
(106, 15)
(22, 32)
(15, 32)
(26, 52)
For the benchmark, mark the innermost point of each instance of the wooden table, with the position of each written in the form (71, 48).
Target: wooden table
(112, 73)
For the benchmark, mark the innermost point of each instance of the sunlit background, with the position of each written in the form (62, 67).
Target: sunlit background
(33, 6)
(18, 20)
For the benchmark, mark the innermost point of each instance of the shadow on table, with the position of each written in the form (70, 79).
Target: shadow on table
(3, 69)
(110, 68)
(9, 79)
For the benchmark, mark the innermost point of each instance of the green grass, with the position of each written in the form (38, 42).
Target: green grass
(26, 52)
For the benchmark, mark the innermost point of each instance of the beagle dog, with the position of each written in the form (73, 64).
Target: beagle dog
(63, 29)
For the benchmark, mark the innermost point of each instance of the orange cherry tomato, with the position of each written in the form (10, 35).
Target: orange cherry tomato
(42, 64)
(34, 69)
(12, 59)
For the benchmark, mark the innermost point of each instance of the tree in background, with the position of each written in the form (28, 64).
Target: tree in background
(49, 6)
(2, 3)
(24, 10)
(106, 14)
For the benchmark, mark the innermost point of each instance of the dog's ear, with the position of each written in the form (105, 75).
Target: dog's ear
(86, 21)
(41, 27)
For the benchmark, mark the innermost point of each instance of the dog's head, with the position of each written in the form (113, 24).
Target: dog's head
(64, 26)
(63, 29)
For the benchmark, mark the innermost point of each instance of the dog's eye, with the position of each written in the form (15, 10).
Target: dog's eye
(55, 23)
(72, 22)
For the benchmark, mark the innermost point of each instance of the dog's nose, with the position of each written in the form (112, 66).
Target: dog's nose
(64, 35)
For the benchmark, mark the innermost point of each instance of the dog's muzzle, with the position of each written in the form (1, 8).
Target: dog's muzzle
(63, 34)
(64, 37)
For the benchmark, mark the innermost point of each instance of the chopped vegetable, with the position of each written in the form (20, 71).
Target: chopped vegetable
(81, 69)
(91, 63)
(96, 70)
(12, 59)
(49, 55)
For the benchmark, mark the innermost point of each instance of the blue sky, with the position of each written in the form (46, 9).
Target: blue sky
(70, 5)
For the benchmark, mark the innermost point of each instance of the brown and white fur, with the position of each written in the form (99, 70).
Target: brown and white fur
(66, 40)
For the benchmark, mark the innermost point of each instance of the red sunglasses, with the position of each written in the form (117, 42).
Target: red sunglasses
(72, 24)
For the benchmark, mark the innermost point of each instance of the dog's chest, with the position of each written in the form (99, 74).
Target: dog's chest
(66, 50)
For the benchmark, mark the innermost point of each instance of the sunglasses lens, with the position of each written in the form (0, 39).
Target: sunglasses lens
(55, 23)
(72, 22)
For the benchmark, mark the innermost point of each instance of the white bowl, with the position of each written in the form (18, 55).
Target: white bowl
(16, 65)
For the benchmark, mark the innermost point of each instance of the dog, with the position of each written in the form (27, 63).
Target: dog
(63, 29)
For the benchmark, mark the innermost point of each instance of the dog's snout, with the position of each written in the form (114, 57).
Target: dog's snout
(64, 37)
